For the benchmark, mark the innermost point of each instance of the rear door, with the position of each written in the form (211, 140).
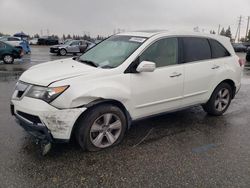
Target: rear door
(199, 69)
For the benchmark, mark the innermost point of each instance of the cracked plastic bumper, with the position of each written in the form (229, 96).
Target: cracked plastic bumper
(37, 116)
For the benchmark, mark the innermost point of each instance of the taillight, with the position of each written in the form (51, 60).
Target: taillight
(21, 53)
(242, 62)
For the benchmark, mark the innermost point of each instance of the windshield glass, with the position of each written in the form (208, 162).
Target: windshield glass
(113, 51)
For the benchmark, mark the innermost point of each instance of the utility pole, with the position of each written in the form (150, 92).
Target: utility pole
(219, 29)
(238, 29)
(240, 22)
(248, 20)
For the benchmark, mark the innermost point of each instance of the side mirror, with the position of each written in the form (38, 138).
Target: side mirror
(146, 66)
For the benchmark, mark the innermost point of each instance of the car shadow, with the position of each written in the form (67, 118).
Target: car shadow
(190, 122)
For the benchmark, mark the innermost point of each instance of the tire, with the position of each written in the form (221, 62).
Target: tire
(248, 58)
(8, 59)
(219, 100)
(93, 134)
(62, 52)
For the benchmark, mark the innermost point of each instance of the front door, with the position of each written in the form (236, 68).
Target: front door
(161, 90)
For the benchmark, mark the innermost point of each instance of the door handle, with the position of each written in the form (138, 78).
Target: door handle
(175, 74)
(215, 67)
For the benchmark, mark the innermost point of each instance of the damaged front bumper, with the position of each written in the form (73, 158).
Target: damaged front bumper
(43, 121)
(38, 130)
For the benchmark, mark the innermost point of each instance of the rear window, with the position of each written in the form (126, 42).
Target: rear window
(195, 49)
(218, 51)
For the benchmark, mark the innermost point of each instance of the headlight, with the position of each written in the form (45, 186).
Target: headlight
(48, 94)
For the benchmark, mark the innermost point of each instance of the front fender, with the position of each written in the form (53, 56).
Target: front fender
(81, 92)
(105, 92)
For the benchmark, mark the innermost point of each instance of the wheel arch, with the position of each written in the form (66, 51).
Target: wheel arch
(98, 102)
(231, 83)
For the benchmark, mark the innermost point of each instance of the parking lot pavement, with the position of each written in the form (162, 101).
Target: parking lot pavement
(181, 149)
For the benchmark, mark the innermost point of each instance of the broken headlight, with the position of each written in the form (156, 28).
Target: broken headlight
(48, 94)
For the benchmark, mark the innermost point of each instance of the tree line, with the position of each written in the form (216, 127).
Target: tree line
(64, 37)
(227, 33)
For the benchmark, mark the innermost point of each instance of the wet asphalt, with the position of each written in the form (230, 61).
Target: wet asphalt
(182, 149)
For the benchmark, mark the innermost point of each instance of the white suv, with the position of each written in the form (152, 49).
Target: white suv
(127, 77)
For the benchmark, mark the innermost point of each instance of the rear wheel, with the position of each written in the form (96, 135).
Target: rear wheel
(62, 52)
(220, 100)
(8, 59)
(102, 127)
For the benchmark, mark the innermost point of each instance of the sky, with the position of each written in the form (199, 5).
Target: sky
(104, 16)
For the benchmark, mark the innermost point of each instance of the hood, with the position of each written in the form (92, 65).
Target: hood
(46, 73)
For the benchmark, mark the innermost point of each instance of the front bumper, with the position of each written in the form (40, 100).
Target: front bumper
(44, 121)
(39, 131)
(54, 50)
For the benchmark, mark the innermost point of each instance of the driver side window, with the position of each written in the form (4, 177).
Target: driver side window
(163, 52)
(75, 43)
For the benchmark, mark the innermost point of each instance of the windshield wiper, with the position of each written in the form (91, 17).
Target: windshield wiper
(91, 63)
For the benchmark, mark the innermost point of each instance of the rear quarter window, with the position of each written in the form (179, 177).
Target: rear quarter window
(195, 49)
(218, 50)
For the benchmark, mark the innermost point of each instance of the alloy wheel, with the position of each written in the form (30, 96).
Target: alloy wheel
(105, 130)
(222, 99)
(8, 59)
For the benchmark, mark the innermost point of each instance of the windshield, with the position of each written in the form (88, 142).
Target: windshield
(113, 51)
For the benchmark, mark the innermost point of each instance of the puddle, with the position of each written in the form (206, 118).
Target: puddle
(10, 74)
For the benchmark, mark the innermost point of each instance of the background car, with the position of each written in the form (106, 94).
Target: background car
(8, 53)
(248, 54)
(33, 41)
(14, 41)
(17, 42)
(239, 47)
(48, 40)
(71, 46)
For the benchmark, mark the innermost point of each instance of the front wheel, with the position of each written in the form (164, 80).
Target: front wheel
(62, 52)
(248, 58)
(102, 127)
(8, 59)
(220, 100)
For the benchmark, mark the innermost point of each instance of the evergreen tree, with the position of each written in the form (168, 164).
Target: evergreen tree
(212, 32)
(69, 37)
(228, 33)
(36, 36)
(64, 37)
(223, 32)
